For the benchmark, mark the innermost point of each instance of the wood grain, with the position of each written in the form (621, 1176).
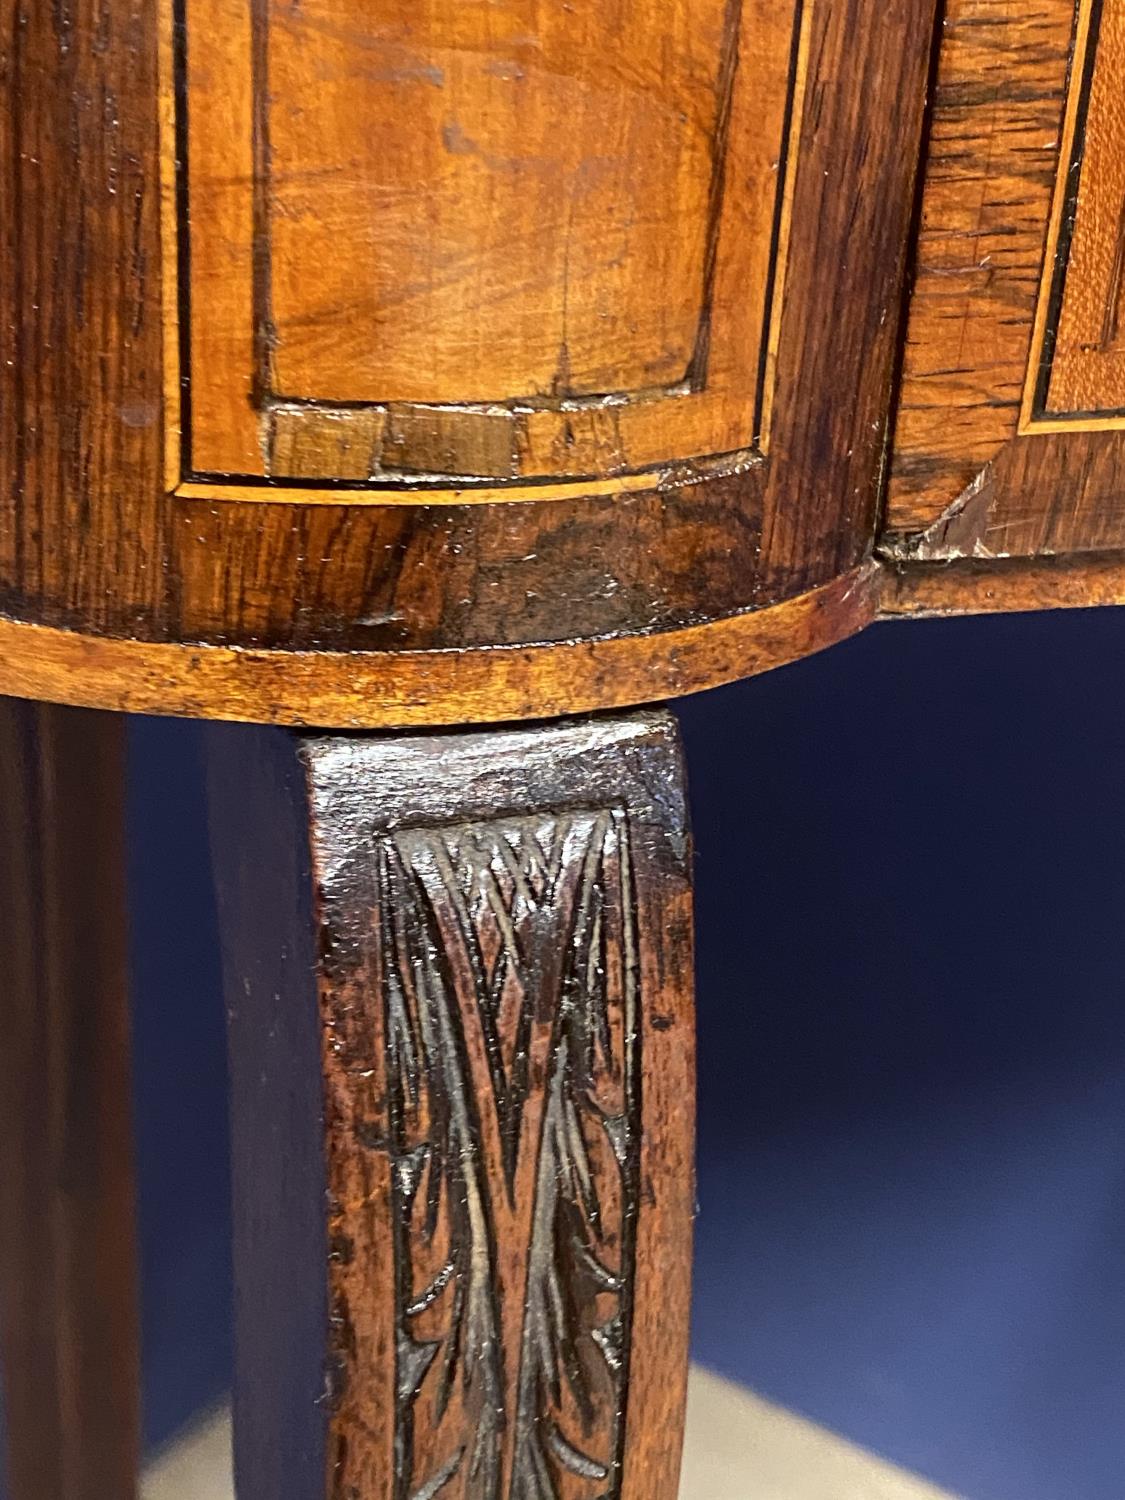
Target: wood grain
(972, 586)
(82, 508)
(389, 689)
(1087, 359)
(983, 465)
(528, 243)
(991, 157)
(1044, 494)
(92, 544)
(69, 1338)
(503, 987)
(584, 247)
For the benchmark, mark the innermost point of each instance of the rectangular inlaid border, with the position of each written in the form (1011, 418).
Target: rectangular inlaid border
(1034, 415)
(176, 252)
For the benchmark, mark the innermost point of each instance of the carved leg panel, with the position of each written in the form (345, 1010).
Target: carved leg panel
(459, 972)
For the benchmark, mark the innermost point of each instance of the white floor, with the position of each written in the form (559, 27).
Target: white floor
(739, 1447)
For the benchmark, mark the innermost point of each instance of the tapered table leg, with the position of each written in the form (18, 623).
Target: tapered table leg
(68, 1312)
(459, 980)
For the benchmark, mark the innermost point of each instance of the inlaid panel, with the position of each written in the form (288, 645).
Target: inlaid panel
(1010, 424)
(138, 374)
(475, 246)
(1081, 335)
(545, 214)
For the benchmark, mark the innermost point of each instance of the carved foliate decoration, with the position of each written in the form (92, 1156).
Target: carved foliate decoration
(507, 971)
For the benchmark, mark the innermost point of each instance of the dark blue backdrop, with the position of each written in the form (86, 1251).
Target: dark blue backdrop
(911, 885)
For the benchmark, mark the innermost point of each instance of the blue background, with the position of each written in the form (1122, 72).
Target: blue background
(911, 888)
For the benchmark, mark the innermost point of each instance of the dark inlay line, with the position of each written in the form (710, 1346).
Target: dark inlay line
(1069, 216)
(783, 171)
(696, 374)
(183, 226)
(265, 333)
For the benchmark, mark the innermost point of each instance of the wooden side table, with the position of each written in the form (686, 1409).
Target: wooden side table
(421, 388)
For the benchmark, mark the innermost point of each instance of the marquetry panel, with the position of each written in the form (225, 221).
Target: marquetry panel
(1010, 411)
(128, 343)
(1081, 332)
(463, 245)
(991, 162)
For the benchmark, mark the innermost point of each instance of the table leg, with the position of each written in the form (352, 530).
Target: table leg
(458, 971)
(68, 1307)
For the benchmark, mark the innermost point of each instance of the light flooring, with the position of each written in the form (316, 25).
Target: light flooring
(739, 1447)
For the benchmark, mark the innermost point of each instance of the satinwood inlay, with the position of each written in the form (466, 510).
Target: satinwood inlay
(474, 248)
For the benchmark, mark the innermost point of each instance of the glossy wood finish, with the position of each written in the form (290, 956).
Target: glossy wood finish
(437, 363)
(1082, 333)
(68, 1312)
(971, 586)
(473, 685)
(479, 948)
(1008, 440)
(567, 265)
(384, 586)
(992, 151)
